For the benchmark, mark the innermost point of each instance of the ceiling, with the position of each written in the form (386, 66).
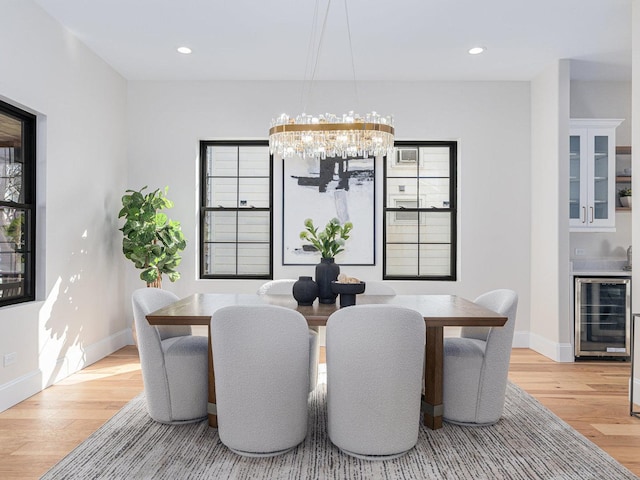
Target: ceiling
(405, 40)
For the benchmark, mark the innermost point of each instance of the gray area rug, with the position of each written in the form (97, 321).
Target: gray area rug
(529, 442)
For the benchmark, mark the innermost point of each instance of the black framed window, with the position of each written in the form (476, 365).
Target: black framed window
(17, 205)
(420, 211)
(236, 217)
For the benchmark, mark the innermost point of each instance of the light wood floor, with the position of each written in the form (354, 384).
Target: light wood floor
(37, 433)
(591, 396)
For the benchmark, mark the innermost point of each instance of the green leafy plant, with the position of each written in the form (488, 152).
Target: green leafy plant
(151, 240)
(330, 241)
(625, 192)
(13, 230)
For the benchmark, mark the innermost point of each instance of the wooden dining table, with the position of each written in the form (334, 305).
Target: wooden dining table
(438, 311)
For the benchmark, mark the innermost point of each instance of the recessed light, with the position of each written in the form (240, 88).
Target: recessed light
(476, 50)
(185, 50)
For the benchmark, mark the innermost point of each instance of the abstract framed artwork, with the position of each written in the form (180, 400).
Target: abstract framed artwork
(322, 190)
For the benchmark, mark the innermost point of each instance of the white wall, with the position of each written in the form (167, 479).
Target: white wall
(550, 319)
(491, 121)
(604, 245)
(81, 108)
(603, 100)
(635, 213)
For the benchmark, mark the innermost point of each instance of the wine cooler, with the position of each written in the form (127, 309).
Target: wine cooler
(602, 317)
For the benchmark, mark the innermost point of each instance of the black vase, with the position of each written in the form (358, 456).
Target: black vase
(327, 271)
(305, 291)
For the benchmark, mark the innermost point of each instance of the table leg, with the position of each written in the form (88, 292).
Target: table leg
(211, 405)
(432, 403)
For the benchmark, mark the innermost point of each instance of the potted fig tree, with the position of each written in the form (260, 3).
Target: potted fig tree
(151, 240)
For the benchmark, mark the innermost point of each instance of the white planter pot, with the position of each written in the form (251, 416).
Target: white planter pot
(625, 201)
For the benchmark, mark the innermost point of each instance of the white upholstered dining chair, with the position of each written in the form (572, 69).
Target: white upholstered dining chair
(174, 362)
(260, 353)
(285, 287)
(476, 365)
(378, 288)
(375, 356)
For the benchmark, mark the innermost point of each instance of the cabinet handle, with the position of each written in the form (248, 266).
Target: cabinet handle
(584, 214)
(591, 210)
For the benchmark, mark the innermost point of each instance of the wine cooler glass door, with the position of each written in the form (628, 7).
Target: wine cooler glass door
(603, 307)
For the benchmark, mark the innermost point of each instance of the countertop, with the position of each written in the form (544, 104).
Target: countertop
(600, 267)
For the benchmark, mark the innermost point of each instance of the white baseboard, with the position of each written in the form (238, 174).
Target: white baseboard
(559, 352)
(520, 340)
(76, 360)
(21, 388)
(15, 391)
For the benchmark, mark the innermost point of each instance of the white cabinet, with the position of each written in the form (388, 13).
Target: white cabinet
(592, 175)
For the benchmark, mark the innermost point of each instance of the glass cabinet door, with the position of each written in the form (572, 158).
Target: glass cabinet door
(592, 174)
(575, 206)
(601, 178)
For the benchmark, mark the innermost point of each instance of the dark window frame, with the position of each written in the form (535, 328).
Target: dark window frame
(28, 205)
(453, 209)
(204, 144)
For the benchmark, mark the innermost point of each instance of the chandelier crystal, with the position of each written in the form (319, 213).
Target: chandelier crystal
(330, 135)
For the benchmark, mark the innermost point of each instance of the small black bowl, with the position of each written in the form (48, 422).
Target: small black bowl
(347, 291)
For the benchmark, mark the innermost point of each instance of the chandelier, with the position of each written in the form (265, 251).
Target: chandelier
(330, 135)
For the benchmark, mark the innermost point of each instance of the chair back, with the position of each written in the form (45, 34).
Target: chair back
(504, 302)
(500, 339)
(277, 287)
(285, 287)
(476, 365)
(497, 353)
(149, 338)
(261, 358)
(147, 300)
(378, 288)
(375, 357)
